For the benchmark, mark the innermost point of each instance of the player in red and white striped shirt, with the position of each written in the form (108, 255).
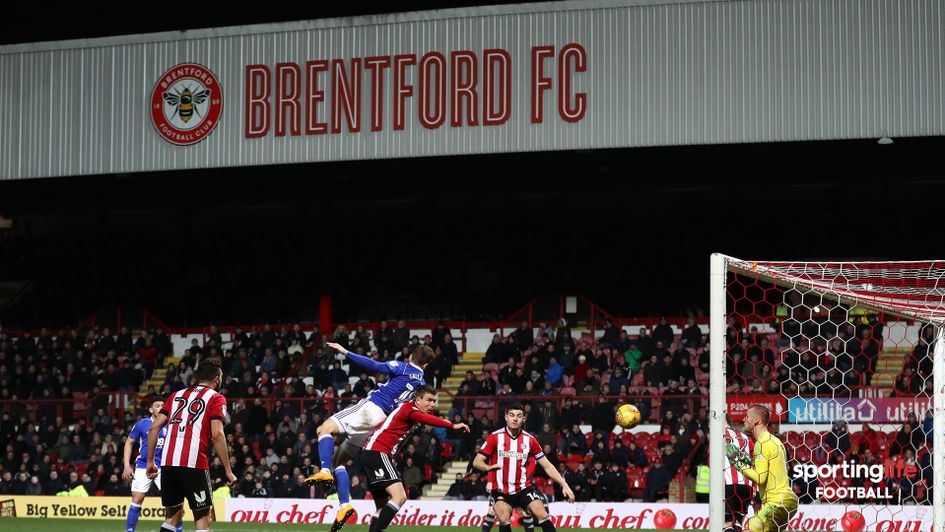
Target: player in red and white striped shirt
(738, 489)
(193, 417)
(377, 457)
(509, 449)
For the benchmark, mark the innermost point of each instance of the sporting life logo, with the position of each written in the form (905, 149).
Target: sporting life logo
(874, 473)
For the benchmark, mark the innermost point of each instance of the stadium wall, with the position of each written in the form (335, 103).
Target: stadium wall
(664, 516)
(535, 77)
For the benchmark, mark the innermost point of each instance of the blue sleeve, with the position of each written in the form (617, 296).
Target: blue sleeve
(372, 365)
(135, 431)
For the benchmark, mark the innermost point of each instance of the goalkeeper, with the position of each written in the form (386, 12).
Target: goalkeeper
(768, 469)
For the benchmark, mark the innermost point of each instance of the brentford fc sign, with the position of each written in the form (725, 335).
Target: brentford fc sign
(186, 104)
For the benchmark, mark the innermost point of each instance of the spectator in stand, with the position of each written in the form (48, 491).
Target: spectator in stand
(634, 357)
(573, 441)
(657, 481)
(538, 382)
(524, 336)
(518, 380)
(837, 441)
(458, 490)
(600, 451)
(590, 386)
(614, 484)
(563, 329)
(337, 377)
(401, 336)
(674, 404)
(578, 482)
(471, 383)
(148, 355)
(565, 344)
(865, 351)
(654, 372)
(910, 436)
(645, 342)
(495, 353)
(549, 412)
(507, 372)
(603, 416)
(692, 335)
(554, 373)
(595, 480)
(438, 334)
(412, 477)
(663, 332)
(548, 436)
(487, 385)
(450, 352)
(637, 458)
(921, 357)
(567, 359)
(611, 334)
(570, 413)
(618, 380)
(684, 371)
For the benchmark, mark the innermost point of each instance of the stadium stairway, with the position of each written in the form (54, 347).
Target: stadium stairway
(889, 366)
(468, 362)
(443, 482)
(157, 377)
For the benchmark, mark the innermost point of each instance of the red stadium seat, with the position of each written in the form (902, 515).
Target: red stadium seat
(812, 439)
(568, 391)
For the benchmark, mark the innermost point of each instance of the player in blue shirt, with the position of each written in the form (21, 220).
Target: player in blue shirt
(356, 422)
(141, 484)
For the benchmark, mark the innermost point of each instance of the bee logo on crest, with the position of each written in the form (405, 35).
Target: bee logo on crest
(186, 104)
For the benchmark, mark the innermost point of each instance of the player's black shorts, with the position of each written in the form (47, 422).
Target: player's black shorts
(380, 470)
(737, 499)
(179, 483)
(517, 500)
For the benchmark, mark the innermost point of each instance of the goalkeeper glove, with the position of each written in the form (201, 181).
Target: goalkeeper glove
(736, 457)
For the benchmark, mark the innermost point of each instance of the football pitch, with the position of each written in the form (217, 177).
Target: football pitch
(103, 525)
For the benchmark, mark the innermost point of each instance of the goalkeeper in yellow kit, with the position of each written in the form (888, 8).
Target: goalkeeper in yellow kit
(768, 469)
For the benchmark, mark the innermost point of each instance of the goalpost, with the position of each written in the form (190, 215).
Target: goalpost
(844, 350)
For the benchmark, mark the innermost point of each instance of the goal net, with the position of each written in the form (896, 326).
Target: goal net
(848, 358)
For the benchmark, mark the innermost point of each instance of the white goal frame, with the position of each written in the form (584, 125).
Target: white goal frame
(718, 274)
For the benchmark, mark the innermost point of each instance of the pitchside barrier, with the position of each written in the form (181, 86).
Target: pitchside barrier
(662, 516)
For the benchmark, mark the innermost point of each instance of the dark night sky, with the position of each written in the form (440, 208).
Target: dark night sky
(75, 20)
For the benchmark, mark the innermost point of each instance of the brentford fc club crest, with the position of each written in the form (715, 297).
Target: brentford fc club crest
(186, 104)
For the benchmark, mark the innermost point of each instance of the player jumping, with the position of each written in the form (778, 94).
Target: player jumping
(511, 448)
(358, 421)
(377, 459)
(141, 484)
(767, 468)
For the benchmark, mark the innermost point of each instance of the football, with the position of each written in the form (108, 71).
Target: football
(627, 416)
